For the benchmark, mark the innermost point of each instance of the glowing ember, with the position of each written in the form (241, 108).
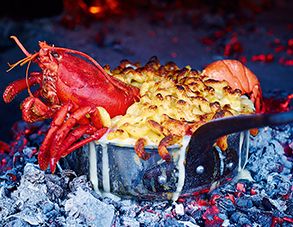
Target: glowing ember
(233, 47)
(4, 147)
(95, 9)
(263, 57)
(274, 105)
(83, 12)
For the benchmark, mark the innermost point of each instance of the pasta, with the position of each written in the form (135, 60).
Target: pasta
(174, 102)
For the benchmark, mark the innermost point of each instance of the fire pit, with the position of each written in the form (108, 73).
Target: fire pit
(260, 196)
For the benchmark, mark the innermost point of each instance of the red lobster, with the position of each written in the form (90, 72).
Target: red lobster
(238, 76)
(72, 89)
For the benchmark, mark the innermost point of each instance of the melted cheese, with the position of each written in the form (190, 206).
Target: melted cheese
(181, 168)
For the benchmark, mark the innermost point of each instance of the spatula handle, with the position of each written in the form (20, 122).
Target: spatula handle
(224, 126)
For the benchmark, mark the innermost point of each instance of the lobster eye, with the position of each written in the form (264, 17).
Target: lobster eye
(55, 54)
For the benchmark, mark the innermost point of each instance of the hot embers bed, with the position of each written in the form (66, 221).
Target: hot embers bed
(39, 197)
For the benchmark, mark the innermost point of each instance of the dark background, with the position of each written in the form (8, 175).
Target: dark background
(171, 30)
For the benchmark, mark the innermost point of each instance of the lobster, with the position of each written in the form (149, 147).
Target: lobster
(75, 92)
(238, 77)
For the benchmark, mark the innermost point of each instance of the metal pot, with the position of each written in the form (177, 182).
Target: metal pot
(115, 168)
(198, 164)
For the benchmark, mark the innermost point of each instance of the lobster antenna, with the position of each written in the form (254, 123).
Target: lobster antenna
(18, 43)
(26, 80)
(29, 57)
(22, 61)
(11, 66)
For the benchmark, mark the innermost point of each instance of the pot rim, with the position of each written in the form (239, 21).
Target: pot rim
(129, 143)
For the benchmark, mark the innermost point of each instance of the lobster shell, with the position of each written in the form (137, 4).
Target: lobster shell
(238, 76)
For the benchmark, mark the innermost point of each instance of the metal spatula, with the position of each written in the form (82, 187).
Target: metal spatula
(204, 163)
(201, 154)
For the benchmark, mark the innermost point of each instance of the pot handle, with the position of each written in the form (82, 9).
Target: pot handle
(201, 153)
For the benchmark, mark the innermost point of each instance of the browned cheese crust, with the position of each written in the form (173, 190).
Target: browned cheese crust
(174, 102)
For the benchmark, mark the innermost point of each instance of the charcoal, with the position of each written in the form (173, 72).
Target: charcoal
(267, 155)
(244, 221)
(31, 215)
(18, 160)
(289, 209)
(187, 220)
(278, 184)
(235, 217)
(267, 205)
(51, 215)
(55, 191)
(147, 218)
(226, 223)
(32, 189)
(128, 208)
(84, 206)
(179, 209)
(244, 203)
(80, 182)
(222, 216)
(17, 222)
(75, 221)
(226, 205)
(227, 188)
(286, 224)
(257, 201)
(32, 174)
(127, 221)
(7, 206)
(279, 204)
(197, 214)
(169, 222)
(10, 179)
(47, 206)
(162, 205)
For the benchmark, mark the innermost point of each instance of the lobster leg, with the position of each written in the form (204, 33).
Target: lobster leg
(44, 153)
(19, 85)
(66, 136)
(97, 135)
(73, 136)
(68, 141)
(63, 132)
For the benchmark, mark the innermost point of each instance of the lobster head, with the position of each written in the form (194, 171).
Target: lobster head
(74, 68)
(49, 57)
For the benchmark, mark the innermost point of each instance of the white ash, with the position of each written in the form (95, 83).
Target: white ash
(267, 154)
(179, 209)
(7, 205)
(84, 208)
